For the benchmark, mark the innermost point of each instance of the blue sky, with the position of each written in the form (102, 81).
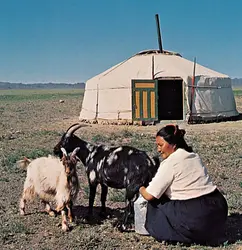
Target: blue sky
(73, 40)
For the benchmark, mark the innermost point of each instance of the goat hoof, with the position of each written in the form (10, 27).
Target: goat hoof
(22, 213)
(52, 213)
(122, 228)
(65, 228)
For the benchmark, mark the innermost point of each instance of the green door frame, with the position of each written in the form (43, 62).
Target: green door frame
(144, 100)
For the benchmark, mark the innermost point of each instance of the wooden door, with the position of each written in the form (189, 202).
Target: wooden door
(144, 100)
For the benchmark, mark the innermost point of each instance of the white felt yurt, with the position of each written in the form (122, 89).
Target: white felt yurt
(154, 86)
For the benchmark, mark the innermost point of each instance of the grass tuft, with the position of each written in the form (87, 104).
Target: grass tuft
(117, 195)
(15, 227)
(9, 161)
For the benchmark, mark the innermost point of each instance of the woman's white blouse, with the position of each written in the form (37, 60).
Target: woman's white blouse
(181, 176)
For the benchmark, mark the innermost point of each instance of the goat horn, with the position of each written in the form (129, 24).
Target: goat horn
(72, 129)
(75, 151)
(72, 126)
(64, 151)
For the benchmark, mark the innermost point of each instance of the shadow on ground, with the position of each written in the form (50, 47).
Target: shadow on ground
(234, 228)
(81, 212)
(233, 232)
(218, 119)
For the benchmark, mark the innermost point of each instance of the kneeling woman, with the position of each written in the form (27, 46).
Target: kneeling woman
(184, 205)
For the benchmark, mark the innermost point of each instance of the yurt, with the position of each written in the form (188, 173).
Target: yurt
(155, 85)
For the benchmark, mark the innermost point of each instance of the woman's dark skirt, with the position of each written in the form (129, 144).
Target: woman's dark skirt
(200, 220)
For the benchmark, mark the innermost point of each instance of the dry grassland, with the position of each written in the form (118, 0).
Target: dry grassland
(31, 122)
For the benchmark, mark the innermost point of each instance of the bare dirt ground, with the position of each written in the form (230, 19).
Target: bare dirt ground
(32, 127)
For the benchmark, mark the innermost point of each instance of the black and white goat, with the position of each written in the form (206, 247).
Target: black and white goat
(115, 167)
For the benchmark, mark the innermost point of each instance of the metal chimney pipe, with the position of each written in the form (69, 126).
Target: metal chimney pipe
(158, 32)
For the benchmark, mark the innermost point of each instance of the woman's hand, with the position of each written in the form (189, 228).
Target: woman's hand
(145, 194)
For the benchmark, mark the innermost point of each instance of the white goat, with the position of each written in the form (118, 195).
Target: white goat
(52, 179)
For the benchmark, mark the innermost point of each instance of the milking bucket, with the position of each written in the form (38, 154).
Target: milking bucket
(140, 208)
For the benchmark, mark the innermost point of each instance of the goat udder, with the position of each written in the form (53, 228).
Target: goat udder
(92, 176)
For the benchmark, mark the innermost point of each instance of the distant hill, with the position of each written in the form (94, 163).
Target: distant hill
(237, 82)
(8, 85)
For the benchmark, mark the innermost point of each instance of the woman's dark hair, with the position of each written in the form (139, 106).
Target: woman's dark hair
(175, 136)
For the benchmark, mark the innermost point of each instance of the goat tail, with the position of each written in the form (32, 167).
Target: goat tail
(23, 164)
